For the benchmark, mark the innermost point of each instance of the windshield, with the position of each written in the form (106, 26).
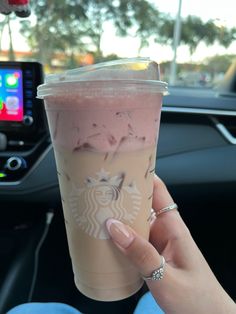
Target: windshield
(195, 42)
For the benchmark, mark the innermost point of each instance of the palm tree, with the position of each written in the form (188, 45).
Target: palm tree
(2, 27)
(3, 24)
(11, 54)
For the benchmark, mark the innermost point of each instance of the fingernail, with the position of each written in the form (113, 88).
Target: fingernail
(119, 233)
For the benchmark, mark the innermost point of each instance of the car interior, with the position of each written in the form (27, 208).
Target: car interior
(195, 158)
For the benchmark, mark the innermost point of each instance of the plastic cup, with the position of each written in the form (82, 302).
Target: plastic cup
(104, 122)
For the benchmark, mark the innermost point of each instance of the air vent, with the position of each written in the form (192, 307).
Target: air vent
(226, 126)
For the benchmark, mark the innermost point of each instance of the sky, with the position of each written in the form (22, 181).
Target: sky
(221, 11)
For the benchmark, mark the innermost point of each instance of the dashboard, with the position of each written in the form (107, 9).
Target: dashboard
(22, 119)
(197, 133)
(196, 148)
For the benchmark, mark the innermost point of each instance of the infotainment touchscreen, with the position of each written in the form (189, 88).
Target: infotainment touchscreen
(11, 94)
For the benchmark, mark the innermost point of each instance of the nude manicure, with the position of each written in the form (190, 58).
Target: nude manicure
(119, 233)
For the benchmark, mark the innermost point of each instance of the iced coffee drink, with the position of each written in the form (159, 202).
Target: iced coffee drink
(104, 123)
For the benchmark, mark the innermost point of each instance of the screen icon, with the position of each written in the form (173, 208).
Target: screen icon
(12, 103)
(12, 80)
(1, 103)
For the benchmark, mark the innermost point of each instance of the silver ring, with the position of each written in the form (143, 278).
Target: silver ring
(166, 209)
(158, 273)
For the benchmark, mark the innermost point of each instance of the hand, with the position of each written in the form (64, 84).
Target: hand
(188, 285)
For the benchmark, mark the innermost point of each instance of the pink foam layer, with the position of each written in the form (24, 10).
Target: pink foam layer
(104, 124)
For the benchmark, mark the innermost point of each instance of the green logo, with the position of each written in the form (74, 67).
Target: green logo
(11, 80)
(1, 104)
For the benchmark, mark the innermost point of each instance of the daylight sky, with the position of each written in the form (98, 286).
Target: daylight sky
(221, 11)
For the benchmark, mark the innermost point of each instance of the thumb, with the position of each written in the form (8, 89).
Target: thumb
(138, 250)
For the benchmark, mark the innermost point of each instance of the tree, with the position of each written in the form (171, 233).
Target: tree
(57, 27)
(11, 53)
(194, 31)
(73, 27)
(2, 27)
(6, 22)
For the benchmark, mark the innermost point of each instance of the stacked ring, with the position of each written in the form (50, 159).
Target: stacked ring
(158, 273)
(166, 209)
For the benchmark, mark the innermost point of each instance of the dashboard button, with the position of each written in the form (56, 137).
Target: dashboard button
(28, 73)
(28, 120)
(28, 93)
(3, 142)
(16, 143)
(14, 163)
(29, 112)
(28, 104)
(28, 84)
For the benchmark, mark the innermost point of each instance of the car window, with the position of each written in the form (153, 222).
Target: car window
(194, 41)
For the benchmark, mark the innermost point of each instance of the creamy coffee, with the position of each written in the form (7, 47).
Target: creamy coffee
(104, 135)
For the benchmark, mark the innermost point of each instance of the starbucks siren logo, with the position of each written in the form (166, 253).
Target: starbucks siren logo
(102, 197)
